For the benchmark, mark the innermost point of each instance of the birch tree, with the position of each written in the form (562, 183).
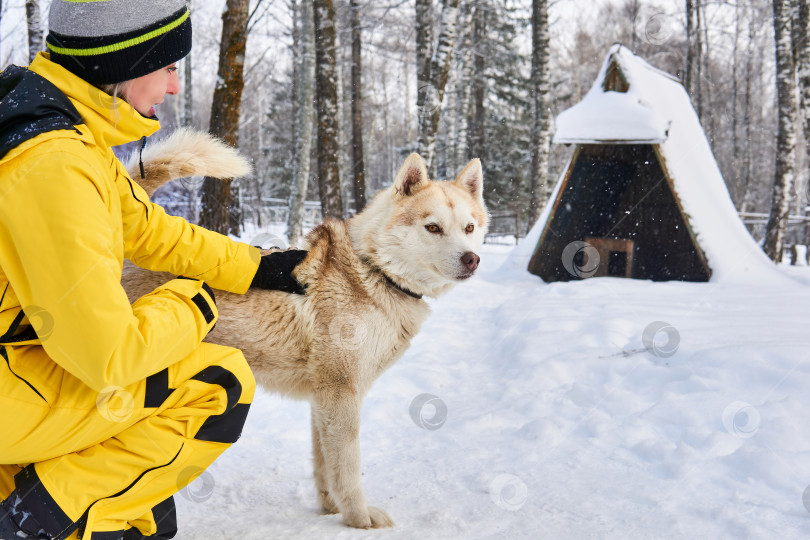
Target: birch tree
(358, 161)
(219, 207)
(787, 96)
(802, 54)
(690, 47)
(694, 54)
(476, 134)
(192, 188)
(327, 109)
(424, 48)
(541, 128)
(800, 47)
(735, 147)
(305, 113)
(430, 109)
(747, 116)
(463, 86)
(188, 94)
(34, 20)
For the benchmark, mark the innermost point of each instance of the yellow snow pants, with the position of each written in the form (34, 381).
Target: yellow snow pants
(104, 466)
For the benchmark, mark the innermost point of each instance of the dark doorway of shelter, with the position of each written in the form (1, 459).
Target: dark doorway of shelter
(617, 201)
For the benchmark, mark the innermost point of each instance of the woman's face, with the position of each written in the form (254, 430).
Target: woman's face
(145, 92)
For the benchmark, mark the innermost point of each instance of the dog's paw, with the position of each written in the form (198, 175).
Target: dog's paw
(374, 518)
(328, 505)
(379, 518)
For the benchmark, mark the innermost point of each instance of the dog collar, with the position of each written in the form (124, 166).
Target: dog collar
(399, 288)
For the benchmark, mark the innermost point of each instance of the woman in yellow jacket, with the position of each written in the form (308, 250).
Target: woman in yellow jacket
(108, 409)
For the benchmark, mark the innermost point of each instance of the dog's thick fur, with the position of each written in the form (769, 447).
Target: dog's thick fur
(330, 345)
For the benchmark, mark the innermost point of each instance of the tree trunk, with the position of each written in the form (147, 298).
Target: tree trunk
(188, 94)
(694, 54)
(698, 83)
(735, 144)
(32, 16)
(430, 112)
(802, 55)
(706, 90)
(358, 162)
(344, 118)
(296, 229)
(476, 136)
(787, 96)
(633, 11)
(463, 87)
(802, 49)
(303, 140)
(326, 99)
(747, 149)
(424, 51)
(541, 124)
(690, 47)
(219, 208)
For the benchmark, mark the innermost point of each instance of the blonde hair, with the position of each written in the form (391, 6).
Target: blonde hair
(115, 90)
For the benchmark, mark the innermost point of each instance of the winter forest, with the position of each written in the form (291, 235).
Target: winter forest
(327, 98)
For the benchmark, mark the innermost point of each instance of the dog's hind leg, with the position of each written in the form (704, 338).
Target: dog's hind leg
(321, 481)
(338, 420)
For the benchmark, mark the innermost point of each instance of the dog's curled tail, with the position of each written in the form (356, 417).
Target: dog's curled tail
(186, 153)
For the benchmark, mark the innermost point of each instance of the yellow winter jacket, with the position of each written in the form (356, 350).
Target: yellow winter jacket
(69, 216)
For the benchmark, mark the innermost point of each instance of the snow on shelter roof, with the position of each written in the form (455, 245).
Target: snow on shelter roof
(656, 109)
(632, 116)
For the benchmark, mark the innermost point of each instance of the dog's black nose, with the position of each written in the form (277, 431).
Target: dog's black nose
(470, 260)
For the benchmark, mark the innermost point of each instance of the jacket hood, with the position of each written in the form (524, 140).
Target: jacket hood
(47, 97)
(30, 105)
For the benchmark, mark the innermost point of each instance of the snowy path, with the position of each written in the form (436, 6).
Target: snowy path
(559, 423)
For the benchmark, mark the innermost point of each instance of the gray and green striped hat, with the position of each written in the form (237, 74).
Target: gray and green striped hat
(111, 41)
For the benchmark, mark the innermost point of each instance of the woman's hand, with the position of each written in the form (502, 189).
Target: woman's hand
(275, 271)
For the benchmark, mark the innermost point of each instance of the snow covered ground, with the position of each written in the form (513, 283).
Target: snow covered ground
(605, 408)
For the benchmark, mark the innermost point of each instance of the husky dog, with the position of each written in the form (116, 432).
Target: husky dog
(365, 278)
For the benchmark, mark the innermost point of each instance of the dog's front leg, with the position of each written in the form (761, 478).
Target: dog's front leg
(338, 423)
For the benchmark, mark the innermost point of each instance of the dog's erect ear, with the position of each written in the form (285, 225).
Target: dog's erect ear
(412, 176)
(471, 179)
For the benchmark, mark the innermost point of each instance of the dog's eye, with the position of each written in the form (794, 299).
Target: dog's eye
(470, 228)
(433, 228)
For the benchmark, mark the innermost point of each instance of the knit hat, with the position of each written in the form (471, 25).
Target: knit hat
(111, 41)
